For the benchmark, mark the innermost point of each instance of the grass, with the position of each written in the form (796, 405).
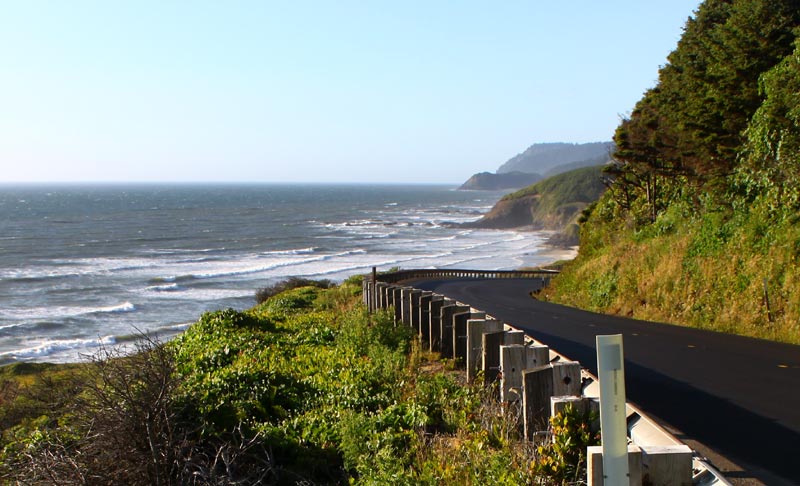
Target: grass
(709, 271)
(306, 387)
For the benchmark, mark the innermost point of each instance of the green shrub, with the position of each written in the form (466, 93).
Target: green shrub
(290, 283)
(563, 459)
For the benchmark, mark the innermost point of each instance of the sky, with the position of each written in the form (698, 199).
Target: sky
(365, 91)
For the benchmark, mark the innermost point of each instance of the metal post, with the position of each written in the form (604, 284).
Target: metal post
(613, 430)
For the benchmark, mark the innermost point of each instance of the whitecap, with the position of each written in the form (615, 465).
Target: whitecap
(47, 347)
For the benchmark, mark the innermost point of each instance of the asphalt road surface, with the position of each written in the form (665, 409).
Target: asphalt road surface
(737, 395)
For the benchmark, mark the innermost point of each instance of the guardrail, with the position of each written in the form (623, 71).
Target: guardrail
(400, 275)
(532, 376)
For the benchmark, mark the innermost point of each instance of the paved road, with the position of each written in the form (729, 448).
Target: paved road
(737, 395)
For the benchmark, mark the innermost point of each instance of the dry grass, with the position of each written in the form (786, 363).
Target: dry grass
(659, 280)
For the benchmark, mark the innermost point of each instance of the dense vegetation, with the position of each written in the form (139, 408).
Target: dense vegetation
(700, 225)
(305, 388)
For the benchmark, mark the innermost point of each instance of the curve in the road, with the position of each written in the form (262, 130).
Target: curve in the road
(738, 395)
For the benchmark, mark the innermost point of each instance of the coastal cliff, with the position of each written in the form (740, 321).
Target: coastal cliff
(486, 181)
(552, 204)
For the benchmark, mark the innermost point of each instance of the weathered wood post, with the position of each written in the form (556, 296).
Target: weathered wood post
(491, 343)
(374, 290)
(543, 383)
(397, 303)
(537, 355)
(380, 295)
(594, 467)
(424, 318)
(405, 306)
(460, 334)
(667, 465)
(515, 337)
(413, 309)
(584, 405)
(475, 331)
(512, 364)
(446, 331)
(368, 299)
(435, 322)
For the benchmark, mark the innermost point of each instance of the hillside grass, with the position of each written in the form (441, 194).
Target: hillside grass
(304, 388)
(706, 270)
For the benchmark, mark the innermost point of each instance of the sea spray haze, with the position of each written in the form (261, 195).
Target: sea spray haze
(85, 265)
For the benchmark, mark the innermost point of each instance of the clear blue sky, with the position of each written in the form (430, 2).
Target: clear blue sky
(317, 91)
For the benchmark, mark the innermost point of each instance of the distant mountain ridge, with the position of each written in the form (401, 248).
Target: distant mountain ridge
(542, 157)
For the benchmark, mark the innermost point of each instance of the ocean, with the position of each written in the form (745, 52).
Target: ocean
(89, 266)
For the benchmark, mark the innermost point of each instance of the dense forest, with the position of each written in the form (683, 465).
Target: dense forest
(700, 224)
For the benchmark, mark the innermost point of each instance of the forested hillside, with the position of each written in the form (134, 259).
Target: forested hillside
(701, 223)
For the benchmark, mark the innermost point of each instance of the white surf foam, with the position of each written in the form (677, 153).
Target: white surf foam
(49, 347)
(60, 312)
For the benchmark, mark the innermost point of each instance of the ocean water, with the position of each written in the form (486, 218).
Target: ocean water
(84, 266)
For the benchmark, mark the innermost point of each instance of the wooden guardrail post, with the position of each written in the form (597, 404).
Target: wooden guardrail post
(413, 309)
(371, 296)
(583, 405)
(594, 466)
(515, 337)
(540, 384)
(424, 320)
(537, 355)
(460, 334)
(490, 356)
(476, 328)
(397, 303)
(380, 295)
(447, 328)
(434, 322)
(667, 465)
(405, 305)
(512, 364)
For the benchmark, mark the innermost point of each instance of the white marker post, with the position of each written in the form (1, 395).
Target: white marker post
(613, 426)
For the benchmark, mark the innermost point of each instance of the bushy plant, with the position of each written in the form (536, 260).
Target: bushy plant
(290, 283)
(562, 460)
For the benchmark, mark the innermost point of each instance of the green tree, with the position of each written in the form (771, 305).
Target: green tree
(771, 158)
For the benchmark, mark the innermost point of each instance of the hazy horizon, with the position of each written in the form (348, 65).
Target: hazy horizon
(314, 92)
